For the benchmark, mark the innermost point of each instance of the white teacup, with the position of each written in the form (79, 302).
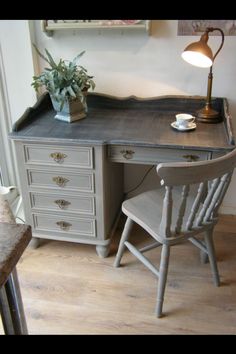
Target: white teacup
(184, 119)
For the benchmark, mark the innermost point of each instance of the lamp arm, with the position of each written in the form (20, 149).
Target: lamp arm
(210, 75)
(211, 29)
(209, 88)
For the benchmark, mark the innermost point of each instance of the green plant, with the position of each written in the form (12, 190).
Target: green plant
(64, 81)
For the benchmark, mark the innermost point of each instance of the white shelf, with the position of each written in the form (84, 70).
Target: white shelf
(49, 26)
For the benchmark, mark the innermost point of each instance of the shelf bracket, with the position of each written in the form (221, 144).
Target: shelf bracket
(44, 28)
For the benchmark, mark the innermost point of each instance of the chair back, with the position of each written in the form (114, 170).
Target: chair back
(193, 212)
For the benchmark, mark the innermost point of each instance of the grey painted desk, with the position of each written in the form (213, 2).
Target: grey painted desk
(71, 175)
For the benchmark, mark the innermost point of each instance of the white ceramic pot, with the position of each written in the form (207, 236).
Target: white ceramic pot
(71, 111)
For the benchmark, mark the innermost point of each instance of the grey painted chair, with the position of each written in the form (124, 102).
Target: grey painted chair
(186, 206)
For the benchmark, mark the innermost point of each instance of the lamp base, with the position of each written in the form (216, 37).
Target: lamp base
(208, 115)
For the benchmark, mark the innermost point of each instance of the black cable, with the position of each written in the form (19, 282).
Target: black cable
(133, 189)
(17, 217)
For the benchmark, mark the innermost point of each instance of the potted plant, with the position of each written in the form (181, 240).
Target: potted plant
(67, 83)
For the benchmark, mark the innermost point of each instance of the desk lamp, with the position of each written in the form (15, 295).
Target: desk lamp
(200, 54)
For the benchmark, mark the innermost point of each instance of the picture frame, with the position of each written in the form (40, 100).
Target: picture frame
(197, 27)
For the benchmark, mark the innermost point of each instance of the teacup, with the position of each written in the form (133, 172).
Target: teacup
(184, 119)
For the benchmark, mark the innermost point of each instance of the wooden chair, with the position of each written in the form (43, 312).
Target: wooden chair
(186, 206)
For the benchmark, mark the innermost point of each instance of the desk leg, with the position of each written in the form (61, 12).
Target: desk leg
(34, 243)
(11, 306)
(103, 251)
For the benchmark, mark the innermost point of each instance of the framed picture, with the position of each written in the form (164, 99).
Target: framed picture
(196, 27)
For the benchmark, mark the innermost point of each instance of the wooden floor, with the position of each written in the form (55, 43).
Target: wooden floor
(67, 289)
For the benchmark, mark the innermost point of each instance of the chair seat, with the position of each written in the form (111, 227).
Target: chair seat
(146, 210)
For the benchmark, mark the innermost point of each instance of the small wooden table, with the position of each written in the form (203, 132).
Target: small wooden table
(14, 238)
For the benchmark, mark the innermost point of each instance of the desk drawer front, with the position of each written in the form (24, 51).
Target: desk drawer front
(145, 155)
(83, 182)
(81, 157)
(63, 203)
(65, 225)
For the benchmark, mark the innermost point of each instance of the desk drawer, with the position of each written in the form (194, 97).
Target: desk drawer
(146, 155)
(81, 182)
(65, 225)
(62, 203)
(81, 157)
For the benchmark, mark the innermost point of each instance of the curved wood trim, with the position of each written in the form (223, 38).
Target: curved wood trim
(42, 103)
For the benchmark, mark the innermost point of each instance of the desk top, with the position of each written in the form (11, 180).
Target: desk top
(128, 121)
(14, 238)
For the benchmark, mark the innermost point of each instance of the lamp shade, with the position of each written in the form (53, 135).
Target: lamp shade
(198, 54)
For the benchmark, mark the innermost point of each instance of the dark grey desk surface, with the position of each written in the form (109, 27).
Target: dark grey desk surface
(128, 121)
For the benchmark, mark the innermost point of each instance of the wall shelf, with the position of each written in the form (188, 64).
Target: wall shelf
(49, 26)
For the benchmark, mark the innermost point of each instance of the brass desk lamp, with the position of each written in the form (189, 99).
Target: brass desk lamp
(200, 54)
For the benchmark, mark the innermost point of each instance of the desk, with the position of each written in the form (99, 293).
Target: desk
(71, 175)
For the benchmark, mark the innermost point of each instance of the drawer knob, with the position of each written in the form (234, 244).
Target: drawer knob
(64, 225)
(60, 181)
(58, 156)
(191, 158)
(127, 154)
(62, 203)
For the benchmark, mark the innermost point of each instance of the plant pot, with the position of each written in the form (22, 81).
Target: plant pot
(72, 110)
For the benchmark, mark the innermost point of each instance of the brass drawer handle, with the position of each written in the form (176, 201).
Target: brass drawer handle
(64, 225)
(191, 158)
(127, 154)
(60, 181)
(58, 156)
(62, 203)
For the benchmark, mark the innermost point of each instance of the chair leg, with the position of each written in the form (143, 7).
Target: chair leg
(165, 253)
(204, 257)
(212, 256)
(124, 237)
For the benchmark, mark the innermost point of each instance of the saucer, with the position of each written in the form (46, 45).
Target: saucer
(191, 126)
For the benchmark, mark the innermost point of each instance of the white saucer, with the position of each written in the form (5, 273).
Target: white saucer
(182, 129)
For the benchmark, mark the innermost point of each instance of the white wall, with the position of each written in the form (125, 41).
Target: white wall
(18, 65)
(16, 94)
(134, 63)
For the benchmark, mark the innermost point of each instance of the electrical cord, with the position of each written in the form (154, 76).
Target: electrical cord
(17, 217)
(139, 184)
